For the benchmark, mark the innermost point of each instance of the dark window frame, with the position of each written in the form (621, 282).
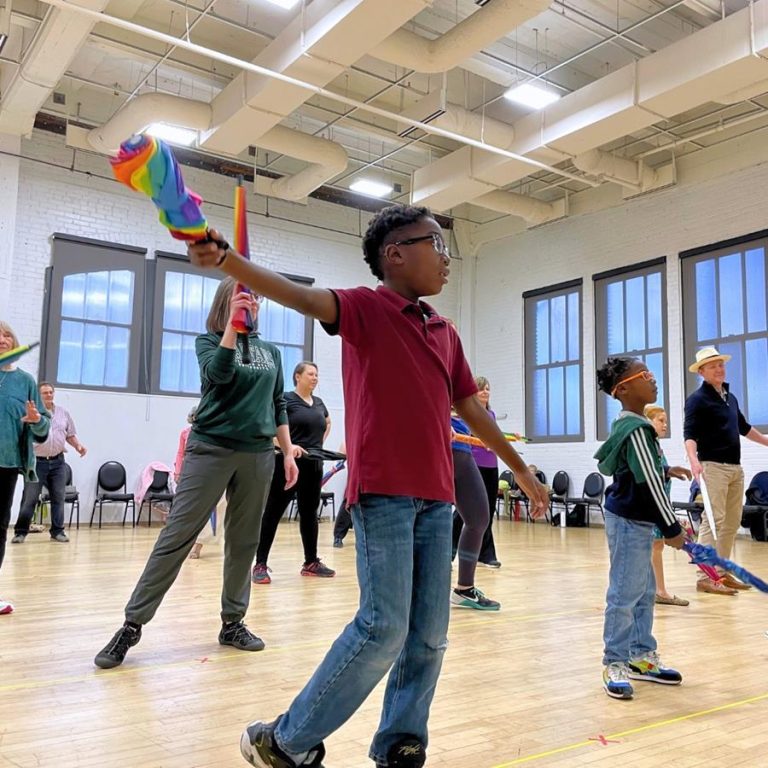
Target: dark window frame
(601, 281)
(147, 314)
(529, 323)
(691, 343)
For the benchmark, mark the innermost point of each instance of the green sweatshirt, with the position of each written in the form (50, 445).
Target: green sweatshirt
(17, 438)
(242, 405)
(632, 454)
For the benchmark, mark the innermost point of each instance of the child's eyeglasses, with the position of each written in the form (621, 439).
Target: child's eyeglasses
(645, 375)
(437, 242)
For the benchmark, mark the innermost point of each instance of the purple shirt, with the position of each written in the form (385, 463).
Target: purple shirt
(483, 457)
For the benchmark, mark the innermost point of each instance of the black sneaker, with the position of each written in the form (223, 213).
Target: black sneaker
(258, 747)
(113, 653)
(239, 636)
(409, 752)
(338, 543)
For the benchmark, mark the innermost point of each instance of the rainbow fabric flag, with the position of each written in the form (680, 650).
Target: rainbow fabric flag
(147, 165)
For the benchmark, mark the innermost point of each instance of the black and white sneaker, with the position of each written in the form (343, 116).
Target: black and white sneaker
(258, 747)
(409, 752)
(239, 636)
(473, 598)
(113, 653)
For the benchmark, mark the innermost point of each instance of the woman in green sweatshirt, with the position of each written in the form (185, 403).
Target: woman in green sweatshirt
(23, 420)
(229, 449)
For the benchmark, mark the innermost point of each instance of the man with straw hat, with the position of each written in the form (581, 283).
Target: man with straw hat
(713, 424)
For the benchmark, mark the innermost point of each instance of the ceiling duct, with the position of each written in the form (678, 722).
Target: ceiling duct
(480, 29)
(656, 88)
(42, 66)
(326, 158)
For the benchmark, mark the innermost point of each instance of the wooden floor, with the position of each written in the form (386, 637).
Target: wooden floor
(521, 687)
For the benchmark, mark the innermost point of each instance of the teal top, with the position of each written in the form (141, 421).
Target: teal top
(242, 404)
(17, 438)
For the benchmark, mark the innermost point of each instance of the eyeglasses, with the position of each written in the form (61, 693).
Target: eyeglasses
(437, 242)
(258, 299)
(645, 375)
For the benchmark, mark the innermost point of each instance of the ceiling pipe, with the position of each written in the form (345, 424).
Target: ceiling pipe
(144, 110)
(627, 173)
(326, 158)
(43, 64)
(318, 90)
(532, 211)
(482, 28)
(659, 87)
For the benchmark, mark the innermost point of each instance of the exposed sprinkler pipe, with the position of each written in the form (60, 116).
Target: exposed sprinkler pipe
(102, 17)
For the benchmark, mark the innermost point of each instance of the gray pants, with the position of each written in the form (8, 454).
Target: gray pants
(207, 472)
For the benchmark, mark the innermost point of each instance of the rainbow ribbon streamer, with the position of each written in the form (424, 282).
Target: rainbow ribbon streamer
(243, 322)
(701, 554)
(147, 165)
(12, 355)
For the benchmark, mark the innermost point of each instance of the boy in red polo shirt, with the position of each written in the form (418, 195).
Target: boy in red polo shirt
(403, 367)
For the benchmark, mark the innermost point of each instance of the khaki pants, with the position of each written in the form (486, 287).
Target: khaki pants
(725, 483)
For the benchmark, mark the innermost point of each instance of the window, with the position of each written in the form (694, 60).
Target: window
(183, 297)
(724, 305)
(95, 298)
(102, 334)
(630, 320)
(553, 363)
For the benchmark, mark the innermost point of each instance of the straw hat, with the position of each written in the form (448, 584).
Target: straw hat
(707, 355)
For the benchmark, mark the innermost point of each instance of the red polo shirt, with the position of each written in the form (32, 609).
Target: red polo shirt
(403, 366)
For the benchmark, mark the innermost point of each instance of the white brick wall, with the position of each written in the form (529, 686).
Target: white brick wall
(74, 193)
(662, 224)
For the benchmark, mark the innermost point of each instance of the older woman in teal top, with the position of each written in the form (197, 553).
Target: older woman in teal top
(23, 419)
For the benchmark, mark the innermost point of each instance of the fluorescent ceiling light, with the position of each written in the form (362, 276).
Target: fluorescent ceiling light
(173, 133)
(371, 188)
(531, 96)
(284, 3)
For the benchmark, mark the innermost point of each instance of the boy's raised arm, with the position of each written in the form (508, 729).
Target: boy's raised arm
(319, 303)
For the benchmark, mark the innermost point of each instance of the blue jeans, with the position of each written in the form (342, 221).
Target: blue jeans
(628, 628)
(403, 548)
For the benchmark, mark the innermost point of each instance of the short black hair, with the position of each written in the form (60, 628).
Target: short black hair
(613, 372)
(385, 221)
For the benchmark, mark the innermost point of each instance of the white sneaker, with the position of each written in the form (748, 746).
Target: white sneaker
(5, 607)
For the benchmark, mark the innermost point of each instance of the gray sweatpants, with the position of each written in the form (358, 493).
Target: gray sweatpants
(207, 472)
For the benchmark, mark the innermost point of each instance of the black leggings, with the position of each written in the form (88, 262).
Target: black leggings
(490, 477)
(307, 495)
(472, 505)
(8, 478)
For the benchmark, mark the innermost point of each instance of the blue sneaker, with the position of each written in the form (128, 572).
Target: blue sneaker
(616, 681)
(649, 667)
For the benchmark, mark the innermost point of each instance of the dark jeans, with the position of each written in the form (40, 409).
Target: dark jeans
(307, 495)
(8, 477)
(51, 473)
(343, 521)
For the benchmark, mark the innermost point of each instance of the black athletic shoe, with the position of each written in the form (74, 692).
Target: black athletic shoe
(258, 747)
(409, 752)
(113, 653)
(239, 636)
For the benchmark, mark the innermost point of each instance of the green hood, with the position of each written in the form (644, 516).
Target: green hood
(612, 456)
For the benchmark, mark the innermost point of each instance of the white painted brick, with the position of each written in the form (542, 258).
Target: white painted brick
(662, 224)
